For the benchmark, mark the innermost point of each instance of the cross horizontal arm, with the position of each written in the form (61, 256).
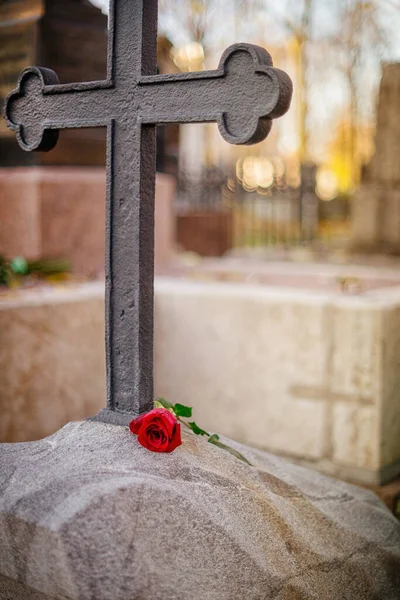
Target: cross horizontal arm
(243, 95)
(38, 107)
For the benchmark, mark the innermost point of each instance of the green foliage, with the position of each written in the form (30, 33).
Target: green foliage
(13, 271)
(19, 266)
(4, 271)
(182, 411)
(214, 439)
(163, 403)
(49, 266)
(197, 430)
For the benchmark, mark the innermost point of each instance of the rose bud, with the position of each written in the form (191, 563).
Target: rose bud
(157, 430)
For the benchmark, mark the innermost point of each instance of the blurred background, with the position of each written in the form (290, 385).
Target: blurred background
(297, 187)
(304, 227)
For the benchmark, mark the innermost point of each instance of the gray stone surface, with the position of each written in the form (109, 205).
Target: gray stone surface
(89, 514)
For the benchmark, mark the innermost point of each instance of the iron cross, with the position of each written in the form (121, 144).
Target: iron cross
(242, 95)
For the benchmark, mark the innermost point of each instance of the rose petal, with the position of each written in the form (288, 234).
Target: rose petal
(157, 430)
(156, 435)
(161, 415)
(136, 424)
(176, 439)
(146, 441)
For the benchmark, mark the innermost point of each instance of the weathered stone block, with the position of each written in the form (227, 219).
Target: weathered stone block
(312, 375)
(233, 355)
(356, 343)
(51, 359)
(390, 357)
(81, 518)
(356, 435)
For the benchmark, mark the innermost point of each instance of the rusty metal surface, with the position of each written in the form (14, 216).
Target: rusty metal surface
(243, 96)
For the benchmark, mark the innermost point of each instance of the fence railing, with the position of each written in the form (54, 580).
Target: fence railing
(216, 213)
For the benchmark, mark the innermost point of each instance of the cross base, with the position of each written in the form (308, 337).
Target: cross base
(106, 415)
(89, 513)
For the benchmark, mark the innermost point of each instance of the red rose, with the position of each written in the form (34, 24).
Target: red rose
(157, 430)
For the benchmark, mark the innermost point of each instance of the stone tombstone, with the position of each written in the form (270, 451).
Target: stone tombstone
(88, 513)
(376, 204)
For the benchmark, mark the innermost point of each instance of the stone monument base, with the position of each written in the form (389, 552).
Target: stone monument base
(89, 513)
(310, 373)
(51, 212)
(285, 357)
(52, 360)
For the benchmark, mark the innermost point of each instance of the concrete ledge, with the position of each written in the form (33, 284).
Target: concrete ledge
(311, 376)
(51, 359)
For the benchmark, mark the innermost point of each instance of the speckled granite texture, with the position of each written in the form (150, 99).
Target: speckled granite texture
(88, 514)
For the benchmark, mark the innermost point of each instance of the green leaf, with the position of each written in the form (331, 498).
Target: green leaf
(214, 439)
(182, 411)
(197, 430)
(163, 403)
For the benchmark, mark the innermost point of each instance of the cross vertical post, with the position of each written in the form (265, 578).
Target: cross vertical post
(243, 95)
(130, 215)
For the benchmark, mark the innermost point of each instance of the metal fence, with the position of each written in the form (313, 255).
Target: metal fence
(212, 203)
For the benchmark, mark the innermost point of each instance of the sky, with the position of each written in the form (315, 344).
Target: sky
(325, 18)
(222, 20)
(103, 4)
